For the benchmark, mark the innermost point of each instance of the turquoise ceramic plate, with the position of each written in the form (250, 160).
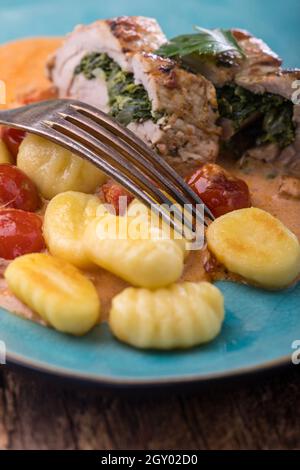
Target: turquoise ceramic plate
(260, 326)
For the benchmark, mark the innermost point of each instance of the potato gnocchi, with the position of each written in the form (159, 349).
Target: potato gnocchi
(55, 290)
(144, 215)
(256, 245)
(115, 244)
(180, 316)
(54, 169)
(66, 217)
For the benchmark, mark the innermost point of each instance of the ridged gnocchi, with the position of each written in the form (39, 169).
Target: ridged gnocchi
(55, 290)
(256, 245)
(54, 169)
(115, 244)
(66, 217)
(5, 156)
(180, 316)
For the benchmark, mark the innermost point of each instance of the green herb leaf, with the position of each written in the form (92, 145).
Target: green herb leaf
(217, 45)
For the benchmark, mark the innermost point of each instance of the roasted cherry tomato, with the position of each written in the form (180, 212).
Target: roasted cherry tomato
(20, 233)
(219, 190)
(112, 192)
(12, 138)
(17, 190)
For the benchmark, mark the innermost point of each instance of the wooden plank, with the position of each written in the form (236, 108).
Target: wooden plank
(261, 414)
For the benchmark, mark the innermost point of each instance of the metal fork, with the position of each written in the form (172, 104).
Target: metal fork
(115, 150)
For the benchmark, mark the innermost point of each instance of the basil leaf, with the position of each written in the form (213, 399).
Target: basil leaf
(217, 45)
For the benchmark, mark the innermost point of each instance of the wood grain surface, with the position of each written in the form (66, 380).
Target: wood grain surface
(260, 413)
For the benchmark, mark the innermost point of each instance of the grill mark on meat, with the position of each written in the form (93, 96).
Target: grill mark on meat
(171, 80)
(171, 77)
(125, 28)
(253, 46)
(164, 69)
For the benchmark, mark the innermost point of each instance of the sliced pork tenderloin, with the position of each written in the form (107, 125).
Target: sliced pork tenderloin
(187, 105)
(260, 61)
(120, 38)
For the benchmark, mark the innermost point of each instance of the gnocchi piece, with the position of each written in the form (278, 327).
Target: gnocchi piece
(118, 245)
(180, 316)
(5, 156)
(66, 218)
(256, 245)
(139, 210)
(55, 290)
(54, 169)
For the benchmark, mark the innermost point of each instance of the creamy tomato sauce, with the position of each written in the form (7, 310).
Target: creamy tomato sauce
(264, 184)
(17, 61)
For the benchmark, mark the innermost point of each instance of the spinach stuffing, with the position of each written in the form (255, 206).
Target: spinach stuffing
(273, 113)
(128, 101)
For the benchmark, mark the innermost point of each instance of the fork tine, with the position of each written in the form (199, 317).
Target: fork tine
(110, 170)
(132, 174)
(129, 137)
(130, 153)
(114, 141)
(119, 160)
(30, 118)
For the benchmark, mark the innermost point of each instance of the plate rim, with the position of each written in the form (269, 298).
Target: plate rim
(105, 381)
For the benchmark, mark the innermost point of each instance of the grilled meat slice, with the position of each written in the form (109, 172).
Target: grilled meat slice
(261, 72)
(120, 38)
(260, 61)
(186, 106)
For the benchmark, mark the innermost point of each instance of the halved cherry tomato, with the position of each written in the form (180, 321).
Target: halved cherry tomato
(219, 190)
(20, 233)
(112, 192)
(12, 138)
(17, 190)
